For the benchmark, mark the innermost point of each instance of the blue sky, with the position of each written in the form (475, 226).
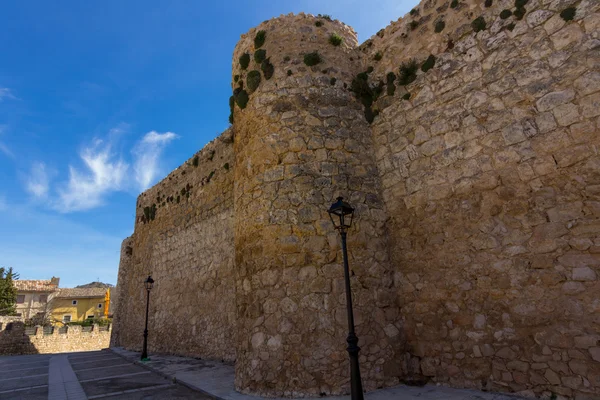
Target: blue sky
(100, 100)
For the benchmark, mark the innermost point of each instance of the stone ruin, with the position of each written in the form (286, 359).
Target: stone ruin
(465, 134)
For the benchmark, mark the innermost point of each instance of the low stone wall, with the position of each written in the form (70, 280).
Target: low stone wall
(17, 339)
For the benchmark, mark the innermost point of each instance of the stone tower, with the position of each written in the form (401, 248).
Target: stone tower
(301, 141)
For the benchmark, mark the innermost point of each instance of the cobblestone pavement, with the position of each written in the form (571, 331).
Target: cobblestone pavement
(86, 375)
(216, 379)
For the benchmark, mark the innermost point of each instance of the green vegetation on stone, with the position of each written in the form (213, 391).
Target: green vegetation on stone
(454, 4)
(439, 26)
(414, 11)
(259, 39)
(195, 161)
(406, 96)
(488, 3)
(311, 59)
(504, 14)
(332, 81)
(408, 72)
(241, 98)
(428, 64)
(378, 56)
(478, 24)
(510, 26)
(326, 17)
(520, 3)
(260, 56)
(391, 87)
(519, 13)
(289, 72)
(244, 60)
(335, 39)
(413, 25)
(253, 81)
(267, 68)
(568, 14)
(319, 24)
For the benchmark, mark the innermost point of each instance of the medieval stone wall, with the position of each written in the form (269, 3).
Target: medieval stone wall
(475, 175)
(184, 238)
(16, 339)
(490, 173)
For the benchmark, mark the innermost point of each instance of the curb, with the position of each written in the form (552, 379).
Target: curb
(167, 376)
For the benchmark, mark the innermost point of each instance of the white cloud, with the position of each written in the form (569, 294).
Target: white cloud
(6, 93)
(37, 183)
(4, 148)
(146, 157)
(104, 172)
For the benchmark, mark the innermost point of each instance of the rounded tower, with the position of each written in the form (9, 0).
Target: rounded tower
(301, 140)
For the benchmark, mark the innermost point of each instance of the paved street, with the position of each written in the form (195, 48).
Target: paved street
(87, 375)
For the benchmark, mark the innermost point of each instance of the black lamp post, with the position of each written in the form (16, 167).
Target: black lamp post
(148, 283)
(341, 214)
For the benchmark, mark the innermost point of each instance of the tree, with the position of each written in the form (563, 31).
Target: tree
(8, 291)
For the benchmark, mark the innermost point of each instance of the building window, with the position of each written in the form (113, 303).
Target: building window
(99, 305)
(43, 298)
(20, 298)
(74, 302)
(66, 318)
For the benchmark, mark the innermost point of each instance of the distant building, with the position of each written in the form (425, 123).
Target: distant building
(78, 304)
(33, 296)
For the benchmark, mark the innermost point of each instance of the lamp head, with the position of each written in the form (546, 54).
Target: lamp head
(341, 214)
(149, 283)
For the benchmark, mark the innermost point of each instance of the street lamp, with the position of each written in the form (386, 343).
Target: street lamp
(341, 214)
(148, 284)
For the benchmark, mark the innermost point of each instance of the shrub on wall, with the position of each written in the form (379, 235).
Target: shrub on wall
(260, 55)
(391, 87)
(335, 39)
(259, 39)
(406, 96)
(253, 81)
(439, 26)
(504, 14)
(267, 68)
(378, 56)
(520, 3)
(319, 24)
(568, 14)
(413, 25)
(244, 60)
(241, 98)
(428, 64)
(408, 72)
(488, 3)
(325, 17)
(519, 13)
(311, 59)
(478, 24)
(454, 4)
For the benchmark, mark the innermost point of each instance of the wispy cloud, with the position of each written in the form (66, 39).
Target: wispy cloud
(3, 147)
(5, 93)
(37, 183)
(104, 172)
(147, 154)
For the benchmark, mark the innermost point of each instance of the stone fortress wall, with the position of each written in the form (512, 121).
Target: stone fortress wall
(17, 339)
(476, 178)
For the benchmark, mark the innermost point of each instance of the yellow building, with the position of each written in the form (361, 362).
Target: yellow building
(79, 304)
